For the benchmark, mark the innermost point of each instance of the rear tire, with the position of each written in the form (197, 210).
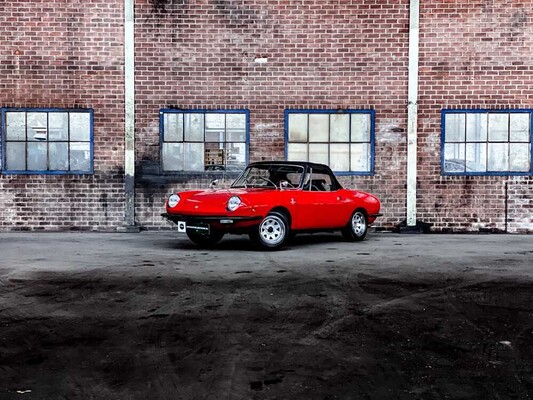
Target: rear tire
(272, 233)
(205, 240)
(357, 227)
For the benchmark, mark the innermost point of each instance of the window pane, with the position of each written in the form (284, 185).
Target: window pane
(37, 126)
(318, 153)
(215, 127)
(319, 127)
(58, 156)
(37, 152)
(360, 157)
(340, 157)
(498, 157)
(476, 157)
(173, 127)
(236, 127)
(454, 127)
(339, 128)
(498, 127)
(236, 154)
(16, 156)
(194, 128)
(194, 156)
(58, 126)
(476, 127)
(519, 127)
(360, 127)
(172, 157)
(297, 152)
(214, 154)
(16, 126)
(454, 157)
(519, 157)
(80, 126)
(297, 127)
(80, 156)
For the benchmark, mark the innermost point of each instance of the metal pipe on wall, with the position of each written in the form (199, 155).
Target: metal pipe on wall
(129, 102)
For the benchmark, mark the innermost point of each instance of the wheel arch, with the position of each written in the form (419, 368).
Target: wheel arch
(285, 212)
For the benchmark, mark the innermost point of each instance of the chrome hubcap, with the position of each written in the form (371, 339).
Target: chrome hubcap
(358, 224)
(272, 230)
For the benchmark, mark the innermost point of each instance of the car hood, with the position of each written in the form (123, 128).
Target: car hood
(224, 194)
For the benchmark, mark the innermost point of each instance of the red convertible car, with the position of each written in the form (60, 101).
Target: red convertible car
(272, 201)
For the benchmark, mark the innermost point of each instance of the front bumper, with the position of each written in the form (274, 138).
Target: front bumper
(219, 222)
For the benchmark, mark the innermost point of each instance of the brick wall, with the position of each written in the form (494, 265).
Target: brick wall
(335, 54)
(65, 54)
(473, 54)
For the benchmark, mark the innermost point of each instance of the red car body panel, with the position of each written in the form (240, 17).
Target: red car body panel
(306, 208)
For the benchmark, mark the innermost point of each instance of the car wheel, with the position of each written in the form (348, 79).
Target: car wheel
(205, 240)
(272, 232)
(357, 226)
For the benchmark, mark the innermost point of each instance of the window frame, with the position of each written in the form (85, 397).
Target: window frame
(204, 111)
(370, 112)
(5, 110)
(466, 111)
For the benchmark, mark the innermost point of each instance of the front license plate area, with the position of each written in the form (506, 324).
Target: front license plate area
(198, 227)
(182, 226)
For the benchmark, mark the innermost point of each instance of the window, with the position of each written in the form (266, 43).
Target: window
(47, 141)
(486, 142)
(202, 140)
(344, 140)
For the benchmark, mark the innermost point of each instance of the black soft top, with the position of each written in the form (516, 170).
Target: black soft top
(305, 164)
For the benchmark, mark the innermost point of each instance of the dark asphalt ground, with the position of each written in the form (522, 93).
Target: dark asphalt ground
(150, 316)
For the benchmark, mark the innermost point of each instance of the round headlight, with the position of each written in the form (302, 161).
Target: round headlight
(173, 200)
(233, 203)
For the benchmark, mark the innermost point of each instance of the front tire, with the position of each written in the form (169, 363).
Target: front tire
(272, 232)
(357, 227)
(205, 240)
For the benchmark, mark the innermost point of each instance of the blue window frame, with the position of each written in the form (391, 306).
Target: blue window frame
(47, 141)
(342, 139)
(204, 140)
(486, 142)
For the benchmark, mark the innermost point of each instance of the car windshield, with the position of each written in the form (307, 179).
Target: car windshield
(270, 176)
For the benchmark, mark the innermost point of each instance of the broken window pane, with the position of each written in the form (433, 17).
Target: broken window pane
(37, 126)
(15, 126)
(16, 156)
(58, 126)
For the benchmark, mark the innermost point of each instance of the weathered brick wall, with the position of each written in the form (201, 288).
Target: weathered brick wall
(473, 54)
(334, 54)
(65, 54)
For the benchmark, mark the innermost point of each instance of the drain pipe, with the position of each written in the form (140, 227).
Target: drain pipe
(129, 123)
(412, 111)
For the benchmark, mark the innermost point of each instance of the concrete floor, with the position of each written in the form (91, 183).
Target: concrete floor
(149, 315)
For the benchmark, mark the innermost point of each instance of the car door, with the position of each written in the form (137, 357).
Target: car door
(321, 203)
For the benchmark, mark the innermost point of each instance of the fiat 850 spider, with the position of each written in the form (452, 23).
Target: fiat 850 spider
(272, 201)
